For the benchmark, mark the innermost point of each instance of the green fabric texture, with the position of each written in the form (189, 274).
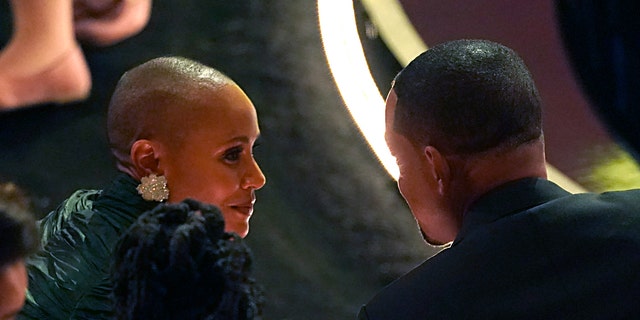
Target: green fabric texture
(69, 276)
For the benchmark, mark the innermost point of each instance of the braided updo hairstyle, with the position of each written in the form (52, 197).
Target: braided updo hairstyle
(177, 262)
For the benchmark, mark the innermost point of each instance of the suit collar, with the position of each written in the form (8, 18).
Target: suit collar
(507, 199)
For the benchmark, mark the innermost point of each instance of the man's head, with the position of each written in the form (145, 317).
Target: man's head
(186, 121)
(18, 239)
(450, 111)
(467, 96)
(176, 262)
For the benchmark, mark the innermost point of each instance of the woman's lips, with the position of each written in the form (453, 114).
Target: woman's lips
(243, 205)
(245, 209)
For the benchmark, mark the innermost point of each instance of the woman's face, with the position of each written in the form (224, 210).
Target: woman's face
(215, 163)
(13, 286)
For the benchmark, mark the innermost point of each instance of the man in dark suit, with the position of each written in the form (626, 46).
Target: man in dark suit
(464, 122)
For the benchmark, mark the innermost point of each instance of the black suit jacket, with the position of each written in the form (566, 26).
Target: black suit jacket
(529, 249)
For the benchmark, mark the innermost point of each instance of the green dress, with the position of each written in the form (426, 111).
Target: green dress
(69, 277)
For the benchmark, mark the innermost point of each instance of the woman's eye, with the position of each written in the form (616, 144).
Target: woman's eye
(233, 154)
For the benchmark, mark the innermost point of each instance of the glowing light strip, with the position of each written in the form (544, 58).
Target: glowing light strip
(351, 73)
(350, 70)
(395, 29)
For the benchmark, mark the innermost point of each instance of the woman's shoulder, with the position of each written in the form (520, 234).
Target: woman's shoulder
(78, 207)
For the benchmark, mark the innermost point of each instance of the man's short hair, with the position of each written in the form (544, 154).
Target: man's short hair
(177, 262)
(466, 97)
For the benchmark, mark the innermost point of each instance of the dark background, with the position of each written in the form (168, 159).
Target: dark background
(329, 227)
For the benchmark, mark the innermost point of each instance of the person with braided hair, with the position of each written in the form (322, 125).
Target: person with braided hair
(177, 262)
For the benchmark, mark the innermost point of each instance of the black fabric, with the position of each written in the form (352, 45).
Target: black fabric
(529, 250)
(603, 44)
(69, 277)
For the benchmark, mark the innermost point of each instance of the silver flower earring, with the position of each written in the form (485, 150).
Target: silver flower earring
(153, 188)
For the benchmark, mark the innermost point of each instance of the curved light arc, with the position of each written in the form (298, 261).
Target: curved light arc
(350, 71)
(348, 64)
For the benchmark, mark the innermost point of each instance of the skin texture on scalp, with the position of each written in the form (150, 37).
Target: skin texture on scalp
(148, 98)
(190, 123)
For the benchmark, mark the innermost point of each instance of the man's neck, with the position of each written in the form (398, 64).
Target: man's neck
(483, 173)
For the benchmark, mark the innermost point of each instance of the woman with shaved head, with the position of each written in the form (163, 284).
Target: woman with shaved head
(178, 129)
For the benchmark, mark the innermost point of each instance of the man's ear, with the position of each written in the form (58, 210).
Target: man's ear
(440, 169)
(144, 156)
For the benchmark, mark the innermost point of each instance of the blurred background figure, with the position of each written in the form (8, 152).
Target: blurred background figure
(43, 62)
(18, 239)
(177, 262)
(107, 22)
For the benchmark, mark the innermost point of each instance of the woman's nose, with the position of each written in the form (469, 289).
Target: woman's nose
(254, 178)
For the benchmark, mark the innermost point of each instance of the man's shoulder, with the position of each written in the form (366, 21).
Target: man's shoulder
(607, 205)
(417, 294)
(631, 196)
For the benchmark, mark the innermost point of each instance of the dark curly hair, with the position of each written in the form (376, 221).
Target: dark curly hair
(177, 262)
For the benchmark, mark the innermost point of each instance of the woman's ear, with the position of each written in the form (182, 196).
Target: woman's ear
(439, 168)
(144, 156)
